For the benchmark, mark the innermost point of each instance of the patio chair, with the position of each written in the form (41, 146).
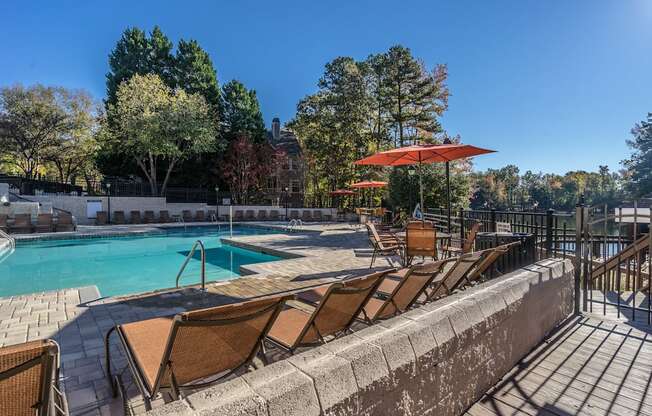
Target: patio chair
(200, 216)
(316, 215)
(148, 217)
(384, 247)
(101, 218)
(65, 222)
(274, 215)
(306, 216)
(29, 380)
(3, 223)
(238, 216)
(164, 216)
(186, 215)
(44, 223)
(420, 240)
(338, 309)
(192, 349)
(134, 217)
(250, 215)
(465, 246)
(488, 263)
(456, 276)
(211, 215)
(294, 214)
(262, 215)
(22, 224)
(118, 217)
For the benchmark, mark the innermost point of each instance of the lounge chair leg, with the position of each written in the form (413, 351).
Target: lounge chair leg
(107, 355)
(373, 258)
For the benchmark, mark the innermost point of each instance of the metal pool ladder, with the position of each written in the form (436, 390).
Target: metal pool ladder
(199, 244)
(12, 244)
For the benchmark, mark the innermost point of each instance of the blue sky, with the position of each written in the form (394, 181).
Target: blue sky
(552, 85)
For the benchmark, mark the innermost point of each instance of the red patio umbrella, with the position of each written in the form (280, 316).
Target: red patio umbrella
(426, 153)
(369, 184)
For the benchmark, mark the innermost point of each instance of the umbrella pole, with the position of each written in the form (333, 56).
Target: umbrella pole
(448, 193)
(423, 211)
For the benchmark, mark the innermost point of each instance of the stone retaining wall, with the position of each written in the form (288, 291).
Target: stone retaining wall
(437, 359)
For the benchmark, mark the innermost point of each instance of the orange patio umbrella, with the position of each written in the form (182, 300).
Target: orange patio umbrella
(426, 153)
(369, 184)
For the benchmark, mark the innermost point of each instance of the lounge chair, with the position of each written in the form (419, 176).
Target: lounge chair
(3, 223)
(338, 309)
(262, 215)
(294, 215)
(250, 215)
(211, 215)
(65, 222)
(44, 223)
(29, 380)
(200, 216)
(186, 215)
(317, 215)
(164, 216)
(238, 216)
(420, 240)
(383, 247)
(457, 276)
(193, 349)
(118, 217)
(101, 218)
(274, 215)
(22, 224)
(148, 217)
(488, 264)
(465, 246)
(306, 216)
(328, 217)
(134, 217)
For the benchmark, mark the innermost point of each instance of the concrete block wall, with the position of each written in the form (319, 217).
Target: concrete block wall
(437, 359)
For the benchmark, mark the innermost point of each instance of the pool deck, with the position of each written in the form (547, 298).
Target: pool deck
(317, 254)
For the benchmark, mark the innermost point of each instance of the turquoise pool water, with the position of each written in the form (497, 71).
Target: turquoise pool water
(123, 265)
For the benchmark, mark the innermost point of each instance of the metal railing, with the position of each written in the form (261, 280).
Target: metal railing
(12, 241)
(203, 263)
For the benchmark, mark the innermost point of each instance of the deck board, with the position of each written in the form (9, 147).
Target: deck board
(588, 367)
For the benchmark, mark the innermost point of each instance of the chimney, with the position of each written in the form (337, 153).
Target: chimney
(276, 128)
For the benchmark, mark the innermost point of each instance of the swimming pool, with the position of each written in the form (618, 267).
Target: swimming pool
(126, 264)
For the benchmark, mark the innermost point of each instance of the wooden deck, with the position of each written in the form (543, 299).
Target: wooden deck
(589, 366)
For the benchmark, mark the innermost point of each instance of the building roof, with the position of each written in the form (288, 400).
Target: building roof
(287, 142)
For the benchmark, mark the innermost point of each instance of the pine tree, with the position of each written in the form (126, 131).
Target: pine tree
(640, 163)
(241, 113)
(195, 74)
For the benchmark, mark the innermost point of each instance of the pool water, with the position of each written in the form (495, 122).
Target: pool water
(124, 265)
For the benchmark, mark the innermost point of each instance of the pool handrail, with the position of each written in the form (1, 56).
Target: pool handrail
(12, 241)
(203, 263)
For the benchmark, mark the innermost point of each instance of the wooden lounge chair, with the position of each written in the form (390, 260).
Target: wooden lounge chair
(22, 224)
(211, 215)
(65, 222)
(294, 214)
(29, 380)
(274, 215)
(118, 217)
(383, 247)
(134, 217)
(186, 215)
(148, 217)
(101, 218)
(164, 216)
(193, 349)
(250, 215)
(338, 309)
(465, 246)
(44, 223)
(200, 216)
(316, 215)
(238, 215)
(3, 223)
(262, 215)
(420, 240)
(306, 216)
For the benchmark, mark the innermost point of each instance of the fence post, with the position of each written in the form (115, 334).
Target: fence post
(494, 227)
(549, 231)
(579, 232)
(462, 236)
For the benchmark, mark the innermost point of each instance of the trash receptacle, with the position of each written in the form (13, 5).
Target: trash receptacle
(517, 257)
